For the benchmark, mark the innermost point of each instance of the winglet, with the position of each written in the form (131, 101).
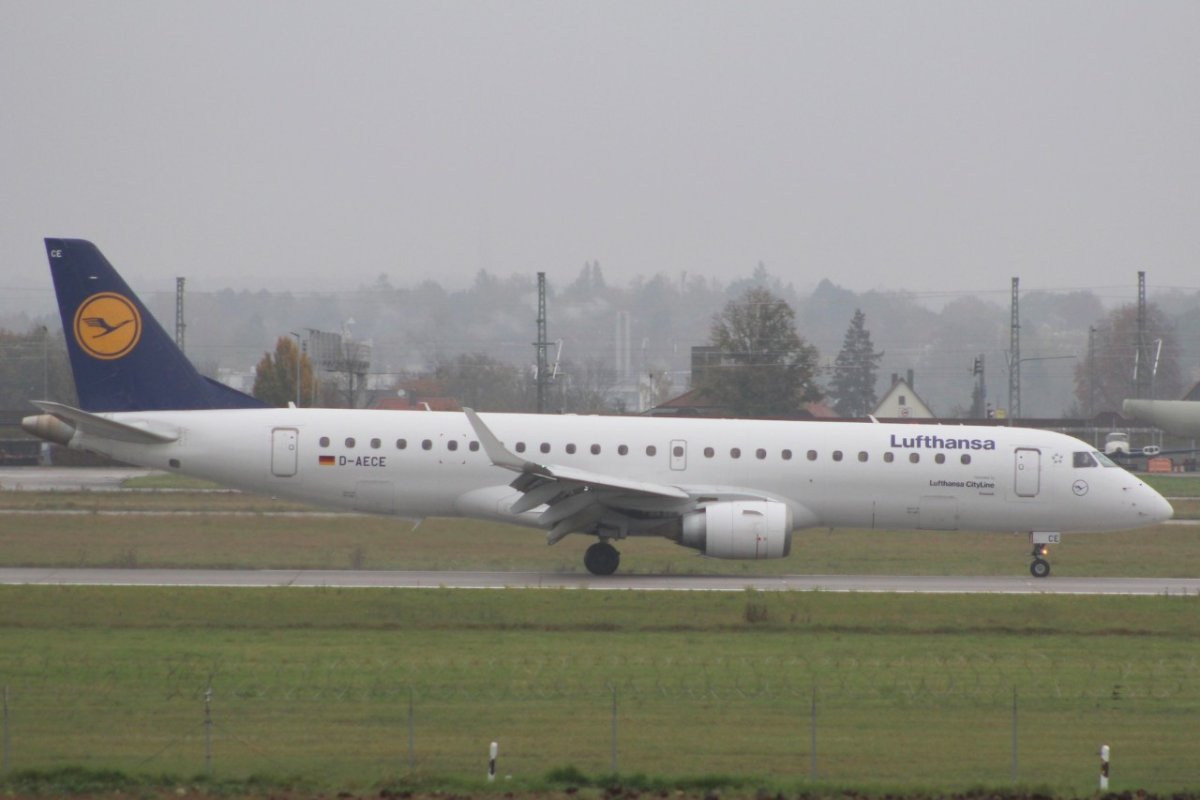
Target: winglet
(495, 449)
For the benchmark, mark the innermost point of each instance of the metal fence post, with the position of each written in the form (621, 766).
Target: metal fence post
(5, 764)
(412, 753)
(614, 730)
(813, 744)
(1014, 735)
(208, 730)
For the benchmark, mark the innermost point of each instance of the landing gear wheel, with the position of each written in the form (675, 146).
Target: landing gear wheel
(601, 559)
(1040, 568)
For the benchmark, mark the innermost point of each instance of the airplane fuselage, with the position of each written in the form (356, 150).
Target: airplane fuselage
(830, 474)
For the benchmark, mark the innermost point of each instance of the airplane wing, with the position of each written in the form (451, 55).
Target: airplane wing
(577, 499)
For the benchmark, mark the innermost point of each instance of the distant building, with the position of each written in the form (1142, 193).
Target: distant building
(416, 394)
(902, 402)
(694, 403)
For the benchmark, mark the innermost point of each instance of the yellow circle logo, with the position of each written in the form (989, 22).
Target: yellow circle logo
(107, 325)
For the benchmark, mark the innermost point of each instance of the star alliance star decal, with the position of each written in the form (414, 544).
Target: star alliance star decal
(1058, 458)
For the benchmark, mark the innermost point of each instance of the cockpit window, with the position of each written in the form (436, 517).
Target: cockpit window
(1104, 460)
(1084, 459)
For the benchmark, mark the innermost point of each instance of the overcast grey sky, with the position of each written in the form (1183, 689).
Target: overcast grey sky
(925, 146)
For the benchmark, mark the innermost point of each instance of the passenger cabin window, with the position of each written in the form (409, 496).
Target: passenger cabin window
(915, 458)
(651, 450)
(376, 444)
(545, 448)
(426, 444)
(595, 449)
(1083, 460)
(452, 445)
(401, 444)
(709, 452)
(349, 441)
(473, 446)
(735, 452)
(786, 455)
(940, 458)
(760, 454)
(677, 451)
(622, 450)
(570, 449)
(889, 456)
(323, 441)
(862, 455)
(812, 455)
(520, 447)
(966, 458)
(837, 455)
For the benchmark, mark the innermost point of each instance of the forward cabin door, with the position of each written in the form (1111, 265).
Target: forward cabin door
(1027, 479)
(283, 452)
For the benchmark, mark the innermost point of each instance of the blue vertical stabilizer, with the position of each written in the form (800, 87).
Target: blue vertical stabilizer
(121, 357)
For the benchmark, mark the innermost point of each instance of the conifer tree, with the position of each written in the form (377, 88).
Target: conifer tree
(853, 384)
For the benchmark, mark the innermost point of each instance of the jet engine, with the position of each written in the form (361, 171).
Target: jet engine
(739, 529)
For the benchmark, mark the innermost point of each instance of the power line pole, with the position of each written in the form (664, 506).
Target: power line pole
(1091, 406)
(543, 369)
(1141, 365)
(179, 324)
(1014, 364)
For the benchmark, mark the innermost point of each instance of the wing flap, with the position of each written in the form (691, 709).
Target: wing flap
(576, 499)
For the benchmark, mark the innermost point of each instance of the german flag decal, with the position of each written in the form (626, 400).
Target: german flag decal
(326, 461)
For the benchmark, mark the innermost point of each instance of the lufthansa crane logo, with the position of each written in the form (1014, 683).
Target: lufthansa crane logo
(107, 326)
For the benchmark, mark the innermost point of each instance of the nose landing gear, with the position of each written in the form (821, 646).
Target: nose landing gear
(1040, 567)
(1041, 540)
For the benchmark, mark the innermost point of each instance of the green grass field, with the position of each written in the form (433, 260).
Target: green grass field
(1174, 484)
(234, 533)
(912, 691)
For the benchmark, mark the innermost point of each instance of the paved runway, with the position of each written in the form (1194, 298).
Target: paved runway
(549, 580)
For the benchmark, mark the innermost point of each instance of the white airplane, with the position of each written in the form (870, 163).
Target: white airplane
(727, 488)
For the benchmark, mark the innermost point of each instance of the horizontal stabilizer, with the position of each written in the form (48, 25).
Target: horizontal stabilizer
(104, 428)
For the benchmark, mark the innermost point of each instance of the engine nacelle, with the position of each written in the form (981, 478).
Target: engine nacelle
(739, 529)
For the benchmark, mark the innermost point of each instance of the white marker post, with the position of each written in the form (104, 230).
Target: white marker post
(492, 751)
(1103, 766)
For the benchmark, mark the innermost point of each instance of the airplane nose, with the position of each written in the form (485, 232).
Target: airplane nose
(1164, 511)
(1153, 505)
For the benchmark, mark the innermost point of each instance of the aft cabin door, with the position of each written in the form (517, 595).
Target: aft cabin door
(283, 452)
(1028, 476)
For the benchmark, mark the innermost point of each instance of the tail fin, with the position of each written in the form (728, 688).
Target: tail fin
(121, 357)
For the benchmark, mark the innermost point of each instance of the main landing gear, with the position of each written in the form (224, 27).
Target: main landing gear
(602, 559)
